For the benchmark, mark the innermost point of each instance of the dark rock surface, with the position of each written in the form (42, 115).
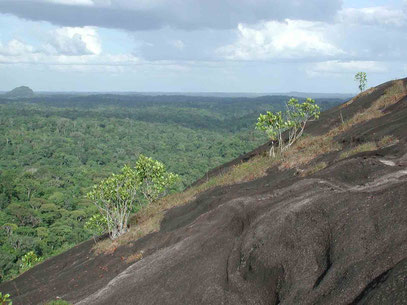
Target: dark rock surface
(336, 237)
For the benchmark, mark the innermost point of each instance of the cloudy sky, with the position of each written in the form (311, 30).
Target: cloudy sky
(201, 45)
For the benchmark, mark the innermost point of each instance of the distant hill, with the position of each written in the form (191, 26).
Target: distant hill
(20, 92)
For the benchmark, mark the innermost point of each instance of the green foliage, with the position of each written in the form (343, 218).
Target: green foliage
(272, 123)
(298, 114)
(5, 299)
(42, 233)
(114, 197)
(153, 179)
(361, 77)
(294, 119)
(97, 225)
(9, 228)
(22, 214)
(29, 260)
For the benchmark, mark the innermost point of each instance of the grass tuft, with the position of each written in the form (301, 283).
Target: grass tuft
(135, 257)
(307, 149)
(369, 146)
(314, 169)
(387, 141)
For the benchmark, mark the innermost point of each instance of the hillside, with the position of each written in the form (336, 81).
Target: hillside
(20, 92)
(324, 224)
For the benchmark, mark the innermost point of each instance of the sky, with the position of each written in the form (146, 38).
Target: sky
(201, 45)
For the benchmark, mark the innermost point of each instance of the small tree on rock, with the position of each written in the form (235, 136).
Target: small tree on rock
(273, 124)
(294, 120)
(115, 197)
(361, 77)
(298, 114)
(119, 195)
(153, 178)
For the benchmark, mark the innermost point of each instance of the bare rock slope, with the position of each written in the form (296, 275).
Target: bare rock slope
(337, 236)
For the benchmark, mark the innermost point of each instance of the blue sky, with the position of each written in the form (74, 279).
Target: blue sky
(201, 45)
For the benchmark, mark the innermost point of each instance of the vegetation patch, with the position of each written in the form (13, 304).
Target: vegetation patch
(387, 141)
(5, 299)
(135, 257)
(369, 146)
(313, 169)
(307, 149)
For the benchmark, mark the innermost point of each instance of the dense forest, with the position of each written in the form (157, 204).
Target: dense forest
(54, 148)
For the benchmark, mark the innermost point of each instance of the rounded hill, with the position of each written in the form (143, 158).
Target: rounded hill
(20, 92)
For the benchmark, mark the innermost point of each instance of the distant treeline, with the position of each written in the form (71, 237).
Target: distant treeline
(221, 112)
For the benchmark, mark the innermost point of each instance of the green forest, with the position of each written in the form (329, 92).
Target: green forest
(54, 148)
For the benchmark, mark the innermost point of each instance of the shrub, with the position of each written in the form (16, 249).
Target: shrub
(5, 299)
(97, 225)
(29, 260)
(114, 197)
(154, 180)
(294, 120)
(118, 195)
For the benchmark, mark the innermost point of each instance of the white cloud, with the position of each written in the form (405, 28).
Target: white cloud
(15, 48)
(378, 15)
(64, 57)
(75, 41)
(179, 44)
(280, 40)
(338, 67)
(51, 60)
(68, 47)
